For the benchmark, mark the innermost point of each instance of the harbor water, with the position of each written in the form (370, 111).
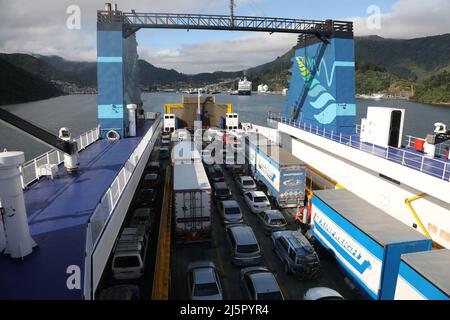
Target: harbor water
(79, 114)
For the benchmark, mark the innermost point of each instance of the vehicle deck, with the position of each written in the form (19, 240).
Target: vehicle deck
(58, 212)
(218, 251)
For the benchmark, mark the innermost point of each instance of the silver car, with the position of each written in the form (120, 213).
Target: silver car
(260, 284)
(322, 293)
(272, 220)
(246, 183)
(245, 250)
(230, 211)
(203, 281)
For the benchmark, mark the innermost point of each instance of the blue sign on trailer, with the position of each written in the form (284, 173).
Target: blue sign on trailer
(424, 276)
(366, 242)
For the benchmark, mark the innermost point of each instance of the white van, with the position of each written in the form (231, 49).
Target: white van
(129, 254)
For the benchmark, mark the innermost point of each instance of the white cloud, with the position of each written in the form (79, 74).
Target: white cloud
(232, 55)
(409, 19)
(40, 27)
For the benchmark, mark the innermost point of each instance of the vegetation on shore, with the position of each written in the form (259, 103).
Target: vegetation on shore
(417, 69)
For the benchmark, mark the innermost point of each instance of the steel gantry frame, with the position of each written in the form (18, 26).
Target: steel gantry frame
(133, 21)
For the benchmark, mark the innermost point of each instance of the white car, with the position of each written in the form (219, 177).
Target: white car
(230, 212)
(257, 201)
(203, 281)
(322, 293)
(246, 183)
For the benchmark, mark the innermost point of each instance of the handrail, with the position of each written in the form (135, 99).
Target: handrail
(29, 170)
(434, 167)
(107, 204)
(102, 214)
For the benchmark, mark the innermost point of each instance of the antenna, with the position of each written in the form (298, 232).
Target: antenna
(232, 5)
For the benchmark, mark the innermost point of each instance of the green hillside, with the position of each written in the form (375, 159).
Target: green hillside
(18, 85)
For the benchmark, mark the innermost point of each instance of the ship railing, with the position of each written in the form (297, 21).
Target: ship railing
(441, 149)
(30, 169)
(108, 202)
(432, 166)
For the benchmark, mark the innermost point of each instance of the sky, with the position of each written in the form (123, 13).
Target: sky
(41, 27)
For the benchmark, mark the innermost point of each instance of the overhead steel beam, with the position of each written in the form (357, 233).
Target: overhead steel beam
(133, 21)
(37, 133)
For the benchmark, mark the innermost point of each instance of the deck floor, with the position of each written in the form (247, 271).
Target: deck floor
(58, 212)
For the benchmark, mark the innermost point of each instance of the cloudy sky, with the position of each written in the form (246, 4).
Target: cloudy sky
(40, 26)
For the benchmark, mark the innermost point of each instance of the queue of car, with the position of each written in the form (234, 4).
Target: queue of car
(131, 247)
(257, 282)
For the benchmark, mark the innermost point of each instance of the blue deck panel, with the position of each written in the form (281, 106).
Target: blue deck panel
(437, 167)
(58, 212)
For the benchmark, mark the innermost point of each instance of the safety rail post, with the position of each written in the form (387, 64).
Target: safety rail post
(340, 137)
(21, 176)
(421, 165)
(403, 158)
(445, 171)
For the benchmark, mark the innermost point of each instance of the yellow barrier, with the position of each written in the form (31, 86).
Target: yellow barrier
(168, 107)
(419, 222)
(161, 277)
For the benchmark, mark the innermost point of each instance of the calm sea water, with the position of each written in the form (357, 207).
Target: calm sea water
(79, 113)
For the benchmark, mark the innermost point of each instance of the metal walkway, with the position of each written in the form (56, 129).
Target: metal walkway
(438, 168)
(133, 21)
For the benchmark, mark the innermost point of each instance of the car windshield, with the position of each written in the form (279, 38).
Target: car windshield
(307, 259)
(260, 199)
(276, 295)
(277, 222)
(232, 210)
(247, 248)
(205, 289)
(126, 262)
(247, 183)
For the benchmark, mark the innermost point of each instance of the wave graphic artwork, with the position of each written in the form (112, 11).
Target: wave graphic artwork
(321, 99)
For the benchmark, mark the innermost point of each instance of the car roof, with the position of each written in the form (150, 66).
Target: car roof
(204, 275)
(264, 282)
(246, 178)
(322, 292)
(274, 214)
(220, 185)
(230, 203)
(257, 193)
(298, 241)
(243, 234)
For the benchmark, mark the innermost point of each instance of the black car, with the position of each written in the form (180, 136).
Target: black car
(151, 180)
(221, 191)
(215, 174)
(146, 198)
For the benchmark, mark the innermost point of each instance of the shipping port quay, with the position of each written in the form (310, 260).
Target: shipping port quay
(218, 250)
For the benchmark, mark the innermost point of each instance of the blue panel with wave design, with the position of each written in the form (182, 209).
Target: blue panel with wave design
(330, 101)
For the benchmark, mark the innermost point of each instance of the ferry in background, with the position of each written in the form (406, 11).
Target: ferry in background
(245, 87)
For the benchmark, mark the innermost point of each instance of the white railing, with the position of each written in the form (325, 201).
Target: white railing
(435, 167)
(440, 148)
(29, 169)
(106, 206)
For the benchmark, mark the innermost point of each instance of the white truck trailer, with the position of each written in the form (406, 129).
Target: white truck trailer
(191, 202)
